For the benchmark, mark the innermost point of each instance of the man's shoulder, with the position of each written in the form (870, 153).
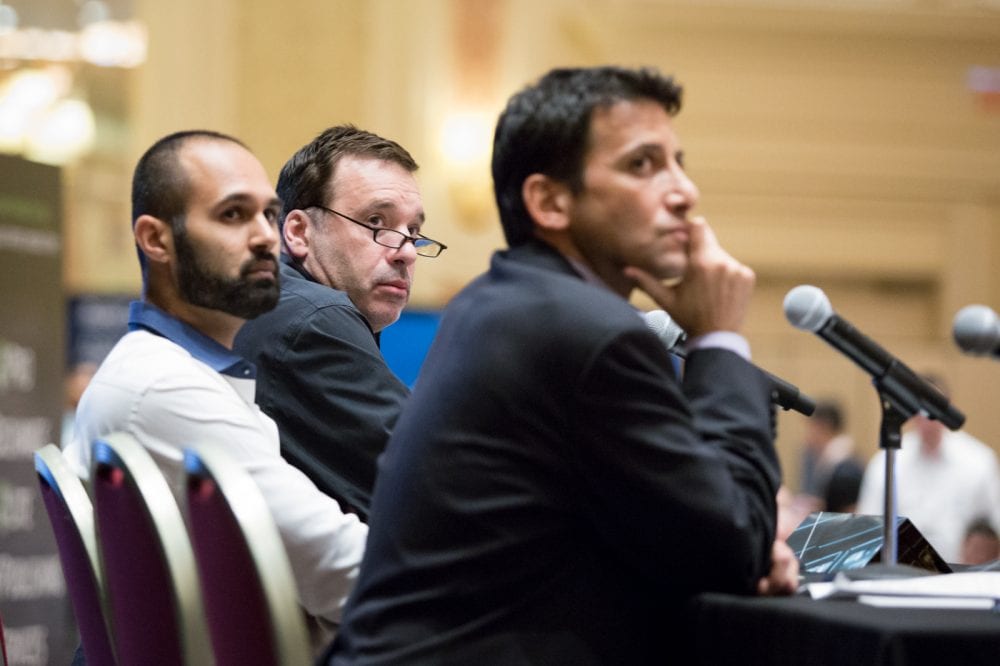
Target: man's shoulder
(971, 449)
(301, 301)
(154, 348)
(141, 357)
(141, 366)
(301, 294)
(534, 283)
(560, 315)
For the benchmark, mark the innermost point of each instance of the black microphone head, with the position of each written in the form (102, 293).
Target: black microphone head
(976, 330)
(665, 328)
(807, 307)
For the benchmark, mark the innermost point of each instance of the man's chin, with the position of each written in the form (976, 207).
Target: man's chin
(257, 300)
(383, 314)
(670, 272)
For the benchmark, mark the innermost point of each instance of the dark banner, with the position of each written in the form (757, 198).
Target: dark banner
(38, 622)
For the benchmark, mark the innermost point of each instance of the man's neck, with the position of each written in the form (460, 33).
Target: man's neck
(216, 324)
(562, 244)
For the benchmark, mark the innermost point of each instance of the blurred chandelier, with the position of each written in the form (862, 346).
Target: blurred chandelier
(94, 36)
(43, 115)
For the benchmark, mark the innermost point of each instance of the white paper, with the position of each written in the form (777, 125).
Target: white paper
(971, 584)
(969, 603)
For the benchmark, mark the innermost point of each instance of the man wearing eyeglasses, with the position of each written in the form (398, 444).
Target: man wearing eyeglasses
(351, 227)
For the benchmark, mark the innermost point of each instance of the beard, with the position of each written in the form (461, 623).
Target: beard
(241, 296)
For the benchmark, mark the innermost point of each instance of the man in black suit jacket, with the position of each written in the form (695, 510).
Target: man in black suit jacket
(552, 492)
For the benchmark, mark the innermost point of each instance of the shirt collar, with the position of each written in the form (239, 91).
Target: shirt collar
(146, 316)
(297, 266)
(586, 272)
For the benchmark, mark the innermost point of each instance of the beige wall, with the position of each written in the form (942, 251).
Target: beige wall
(838, 146)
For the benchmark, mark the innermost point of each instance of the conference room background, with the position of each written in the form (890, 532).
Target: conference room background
(850, 144)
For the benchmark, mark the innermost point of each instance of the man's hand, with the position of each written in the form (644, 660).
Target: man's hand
(784, 575)
(715, 291)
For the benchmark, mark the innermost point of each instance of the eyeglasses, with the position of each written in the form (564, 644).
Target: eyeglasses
(425, 246)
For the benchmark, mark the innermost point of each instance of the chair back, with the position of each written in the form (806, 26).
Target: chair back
(3, 644)
(146, 559)
(72, 518)
(247, 583)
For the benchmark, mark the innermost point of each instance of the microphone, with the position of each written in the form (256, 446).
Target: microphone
(670, 334)
(808, 308)
(977, 331)
(783, 394)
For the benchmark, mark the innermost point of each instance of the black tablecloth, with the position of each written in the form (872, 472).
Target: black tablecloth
(801, 631)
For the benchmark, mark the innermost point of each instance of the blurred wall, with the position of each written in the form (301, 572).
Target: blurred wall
(835, 143)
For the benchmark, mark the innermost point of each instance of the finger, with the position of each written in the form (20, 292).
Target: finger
(700, 235)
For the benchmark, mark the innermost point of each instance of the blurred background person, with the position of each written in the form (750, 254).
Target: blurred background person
(944, 482)
(981, 544)
(831, 475)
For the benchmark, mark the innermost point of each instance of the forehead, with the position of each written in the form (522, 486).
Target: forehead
(357, 179)
(217, 169)
(626, 124)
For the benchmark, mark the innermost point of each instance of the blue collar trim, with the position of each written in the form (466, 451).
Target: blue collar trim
(146, 316)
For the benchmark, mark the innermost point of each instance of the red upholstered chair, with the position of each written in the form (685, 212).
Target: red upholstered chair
(72, 517)
(146, 559)
(3, 644)
(246, 579)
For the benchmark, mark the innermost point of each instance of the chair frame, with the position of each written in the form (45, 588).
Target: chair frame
(248, 508)
(54, 472)
(3, 644)
(123, 452)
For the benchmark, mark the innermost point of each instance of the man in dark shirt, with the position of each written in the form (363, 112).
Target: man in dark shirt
(351, 221)
(553, 493)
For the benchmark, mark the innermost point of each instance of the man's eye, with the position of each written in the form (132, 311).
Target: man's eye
(376, 221)
(641, 163)
(271, 215)
(232, 214)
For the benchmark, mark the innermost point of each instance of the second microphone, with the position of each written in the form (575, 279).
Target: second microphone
(785, 395)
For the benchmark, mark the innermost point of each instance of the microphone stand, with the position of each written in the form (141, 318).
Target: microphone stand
(894, 415)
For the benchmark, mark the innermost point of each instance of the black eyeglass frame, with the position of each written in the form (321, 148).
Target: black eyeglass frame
(420, 242)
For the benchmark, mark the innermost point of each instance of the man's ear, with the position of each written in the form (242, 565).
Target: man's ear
(296, 234)
(155, 238)
(547, 201)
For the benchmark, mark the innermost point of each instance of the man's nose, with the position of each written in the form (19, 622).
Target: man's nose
(406, 253)
(682, 193)
(264, 231)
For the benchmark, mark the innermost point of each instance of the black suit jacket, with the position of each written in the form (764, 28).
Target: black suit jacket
(551, 493)
(322, 378)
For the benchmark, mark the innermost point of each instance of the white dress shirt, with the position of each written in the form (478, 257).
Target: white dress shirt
(169, 386)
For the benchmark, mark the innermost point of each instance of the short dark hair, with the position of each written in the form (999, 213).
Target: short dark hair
(982, 527)
(160, 187)
(830, 413)
(306, 178)
(545, 129)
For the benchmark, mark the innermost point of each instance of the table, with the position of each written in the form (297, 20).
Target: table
(798, 630)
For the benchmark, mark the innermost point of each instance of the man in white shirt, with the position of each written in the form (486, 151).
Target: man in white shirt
(205, 224)
(945, 481)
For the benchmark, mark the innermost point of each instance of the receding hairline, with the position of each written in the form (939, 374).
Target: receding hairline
(184, 159)
(349, 157)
